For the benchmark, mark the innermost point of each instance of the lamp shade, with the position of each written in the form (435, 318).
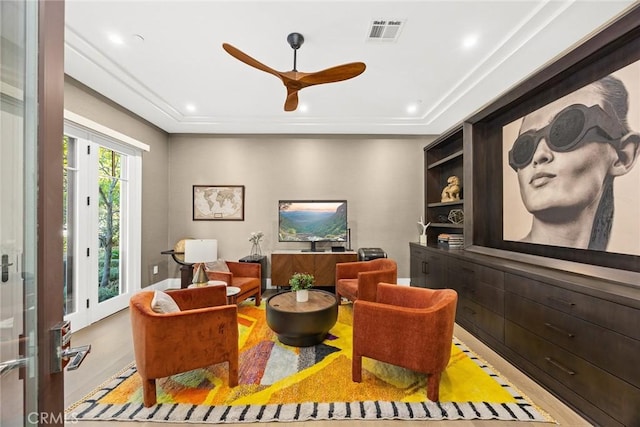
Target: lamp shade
(200, 250)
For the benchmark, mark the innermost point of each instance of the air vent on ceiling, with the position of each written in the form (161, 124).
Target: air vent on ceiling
(385, 30)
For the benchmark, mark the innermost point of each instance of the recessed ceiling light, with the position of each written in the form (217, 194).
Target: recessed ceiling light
(469, 41)
(116, 38)
(413, 107)
(303, 108)
(190, 108)
(138, 38)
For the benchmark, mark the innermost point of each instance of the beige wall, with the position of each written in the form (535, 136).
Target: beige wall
(155, 219)
(380, 177)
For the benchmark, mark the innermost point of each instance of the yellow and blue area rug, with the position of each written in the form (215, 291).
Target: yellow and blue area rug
(282, 383)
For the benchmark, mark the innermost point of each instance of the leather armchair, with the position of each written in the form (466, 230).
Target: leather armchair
(407, 327)
(359, 280)
(203, 333)
(244, 275)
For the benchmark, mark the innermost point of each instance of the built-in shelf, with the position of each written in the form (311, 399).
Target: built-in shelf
(445, 160)
(438, 204)
(446, 225)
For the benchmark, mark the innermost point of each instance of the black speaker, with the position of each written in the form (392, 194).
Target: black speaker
(368, 254)
(337, 248)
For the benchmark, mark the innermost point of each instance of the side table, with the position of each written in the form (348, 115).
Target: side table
(262, 260)
(209, 283)
(232, 293)
(186, 269)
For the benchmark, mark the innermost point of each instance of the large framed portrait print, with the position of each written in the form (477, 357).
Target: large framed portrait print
(571, 176)
(555, 162)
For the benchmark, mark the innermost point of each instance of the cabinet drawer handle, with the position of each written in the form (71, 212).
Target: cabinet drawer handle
(470, 311)
(562, 301)
(425, 267)
(557, 329)
(559, 366)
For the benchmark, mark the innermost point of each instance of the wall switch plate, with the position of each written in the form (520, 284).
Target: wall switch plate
(155, 269)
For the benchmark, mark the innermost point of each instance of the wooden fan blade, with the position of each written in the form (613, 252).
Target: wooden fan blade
(241, 56)
(333, 74)
(294, 80)
(292, 100)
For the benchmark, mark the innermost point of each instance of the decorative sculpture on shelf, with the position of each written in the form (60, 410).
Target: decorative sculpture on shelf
(456, 216)
(423, 231)
(451, 192)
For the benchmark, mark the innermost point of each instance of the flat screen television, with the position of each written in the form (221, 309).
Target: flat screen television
(312, 221)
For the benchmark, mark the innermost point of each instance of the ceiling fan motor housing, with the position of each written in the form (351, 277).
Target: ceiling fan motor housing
(295, 40)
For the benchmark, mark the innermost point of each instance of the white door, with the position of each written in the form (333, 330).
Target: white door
(100, 242)
(18, 363)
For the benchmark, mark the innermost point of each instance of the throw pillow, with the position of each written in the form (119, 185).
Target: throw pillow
(218, 265)
(163, 303)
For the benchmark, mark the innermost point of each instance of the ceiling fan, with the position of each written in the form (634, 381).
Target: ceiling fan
(294, 80)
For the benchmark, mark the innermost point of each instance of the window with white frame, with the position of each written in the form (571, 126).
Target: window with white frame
(102, 218)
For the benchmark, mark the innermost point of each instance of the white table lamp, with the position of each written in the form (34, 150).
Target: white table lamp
(200, 251)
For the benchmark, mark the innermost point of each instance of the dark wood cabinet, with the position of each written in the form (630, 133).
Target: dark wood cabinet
(575, 335)
(480, 298)
(575, 341)
(417, 267)
(428, 269)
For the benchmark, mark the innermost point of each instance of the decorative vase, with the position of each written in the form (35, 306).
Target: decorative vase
(255, 249)
(302, 295)
(423, 239)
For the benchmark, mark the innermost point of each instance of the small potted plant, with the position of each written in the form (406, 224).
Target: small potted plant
(300, 283)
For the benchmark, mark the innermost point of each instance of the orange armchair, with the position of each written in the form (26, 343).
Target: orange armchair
(244, 275)
(407, 327)
(204, 332)
(359, 280)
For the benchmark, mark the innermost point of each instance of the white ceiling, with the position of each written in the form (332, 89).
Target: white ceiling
(181, 60)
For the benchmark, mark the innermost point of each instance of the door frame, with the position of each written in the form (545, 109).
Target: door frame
(49, 276)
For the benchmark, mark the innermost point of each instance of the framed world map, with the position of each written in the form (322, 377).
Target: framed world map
(218, 202)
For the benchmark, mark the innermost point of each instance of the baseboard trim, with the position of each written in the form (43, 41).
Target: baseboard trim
(170, 283)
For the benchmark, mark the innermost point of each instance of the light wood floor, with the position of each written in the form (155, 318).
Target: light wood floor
(111, 350)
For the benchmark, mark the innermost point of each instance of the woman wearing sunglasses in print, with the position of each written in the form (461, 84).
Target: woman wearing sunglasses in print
(566, 156)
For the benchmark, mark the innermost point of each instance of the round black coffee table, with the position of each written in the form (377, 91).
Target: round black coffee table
(302, 324)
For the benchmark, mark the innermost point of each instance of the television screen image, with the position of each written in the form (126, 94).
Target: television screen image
(312, 221)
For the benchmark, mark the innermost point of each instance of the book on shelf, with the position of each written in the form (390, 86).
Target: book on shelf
(451, 240)
(451, 237)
